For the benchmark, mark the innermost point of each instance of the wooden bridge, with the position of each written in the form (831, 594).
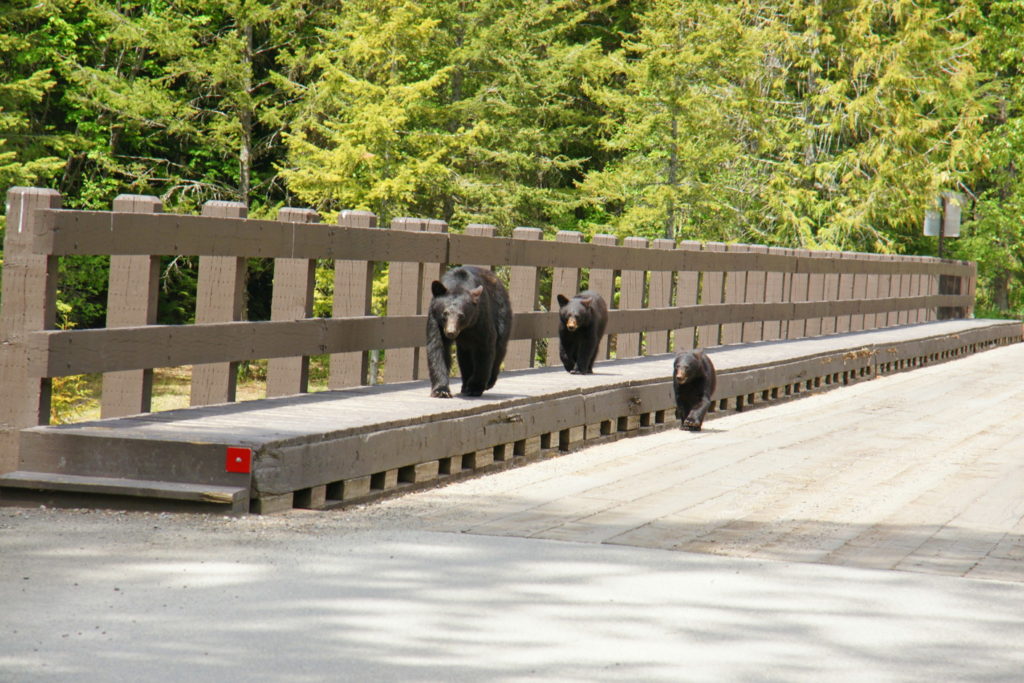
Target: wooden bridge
(778, 323)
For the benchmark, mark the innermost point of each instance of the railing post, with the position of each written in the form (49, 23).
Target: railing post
(523, 293)
(292, 299)
(131, 301)
(405, 280)
(871, 292)
(602, 281)
(431, 272)
(353, 297)
(735, 292)
(687, 294)
(28, 304)
(564, 281)
(659, 295)
(219, 298)
(753, 330)
(831, 291)
(631, 297)
(776, 290)
(799, 282)
(712, 291)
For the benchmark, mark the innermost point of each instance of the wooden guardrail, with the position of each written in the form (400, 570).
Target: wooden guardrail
(665, 297)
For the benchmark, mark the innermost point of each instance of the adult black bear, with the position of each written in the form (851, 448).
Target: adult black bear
(581, 323)
(470, 308)
(693, 378)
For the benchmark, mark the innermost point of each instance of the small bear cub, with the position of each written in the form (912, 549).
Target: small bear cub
(693, 378)
(581, 323)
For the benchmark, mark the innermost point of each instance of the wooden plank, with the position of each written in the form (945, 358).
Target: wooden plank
(632, 283)
(735, 291)
(292, 299)
(712, 292)
(429, 272)
(564, 281)
(659, 295)
(220, 290)
(234, 496)
(353, 295)
(28, 303)
(61, 232)
(755, 293)
(799, 284)
(830, 290)
(132, 295)
(70, 352)
(602, 281)
(776, 289)
(815, 292)
(523, 287)
(405, 282)
(688, 286)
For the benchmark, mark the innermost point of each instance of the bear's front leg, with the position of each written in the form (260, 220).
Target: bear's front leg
(439, 361)
(695, 419)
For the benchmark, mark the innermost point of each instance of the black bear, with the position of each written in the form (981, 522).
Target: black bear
(471, 308)
(693, 378)
(581, 323)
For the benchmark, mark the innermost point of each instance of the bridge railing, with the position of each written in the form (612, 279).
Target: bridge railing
(664, 297)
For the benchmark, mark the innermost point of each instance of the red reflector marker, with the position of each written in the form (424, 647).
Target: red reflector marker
(239, 460)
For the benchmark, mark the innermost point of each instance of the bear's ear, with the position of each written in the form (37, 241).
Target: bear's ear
(437, 289)
(562, 301)
(586, 302)
(475, 293)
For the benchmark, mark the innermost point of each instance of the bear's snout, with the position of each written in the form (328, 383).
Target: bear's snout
(571, 324)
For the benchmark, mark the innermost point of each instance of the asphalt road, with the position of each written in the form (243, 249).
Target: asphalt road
(871, 533)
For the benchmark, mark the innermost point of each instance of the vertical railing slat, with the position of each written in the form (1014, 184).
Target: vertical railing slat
(631, 297)
(291, 299)
(132, 298)
(28, 303)
(564, 281)
(405, 280)
(659, 295)
(220, 291)
(353, 297)
(687, 294)
(712, 291)
(523, 294)
(602, 281)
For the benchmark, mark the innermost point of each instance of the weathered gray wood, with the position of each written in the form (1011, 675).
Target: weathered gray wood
(712, 291)
(815, 292)
(220, 290)
(687, 293)
(735, 292)
(58, 353)
(776, 289)
(430, 272)
(830, 290)
(27, 304)
(292, 299)
(490, 246)
(602, 281)
(353, 295)
(755, 293)
(94, 232)
(132, 297)
(631, 297)
(523, 287)
(564, 281)
(799, 284)
(405, 280)
(659, 295)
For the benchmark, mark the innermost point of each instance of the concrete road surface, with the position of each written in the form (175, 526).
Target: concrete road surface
(871, 533)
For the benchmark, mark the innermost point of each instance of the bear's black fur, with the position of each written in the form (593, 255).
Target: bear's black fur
(581, 323)
(471, 308)
(693, 378)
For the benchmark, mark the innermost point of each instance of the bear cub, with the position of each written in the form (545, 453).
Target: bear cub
(693, 378)
(470, 308)
(581, 323)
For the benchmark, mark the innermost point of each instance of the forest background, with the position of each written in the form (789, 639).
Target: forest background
(821, 124)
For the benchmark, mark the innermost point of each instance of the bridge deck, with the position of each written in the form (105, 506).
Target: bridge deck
(320, 449)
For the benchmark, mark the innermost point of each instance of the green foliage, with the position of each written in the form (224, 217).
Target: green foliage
(813, 123)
